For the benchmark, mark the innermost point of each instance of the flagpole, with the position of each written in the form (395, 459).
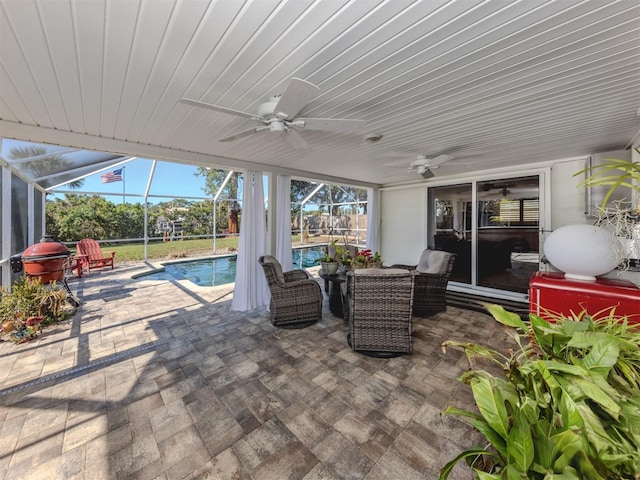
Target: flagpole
(123, 200)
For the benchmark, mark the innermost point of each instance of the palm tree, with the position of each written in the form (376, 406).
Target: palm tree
(46, 163)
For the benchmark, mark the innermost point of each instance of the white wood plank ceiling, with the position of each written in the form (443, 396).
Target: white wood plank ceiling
(494, 83)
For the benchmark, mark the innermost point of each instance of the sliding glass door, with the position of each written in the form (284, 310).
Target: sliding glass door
(493, 227)
(451, 226)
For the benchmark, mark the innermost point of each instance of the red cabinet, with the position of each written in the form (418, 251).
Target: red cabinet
(551, 292)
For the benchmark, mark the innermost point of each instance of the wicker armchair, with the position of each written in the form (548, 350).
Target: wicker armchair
(296, 299)
(432, 276)
(379, 311)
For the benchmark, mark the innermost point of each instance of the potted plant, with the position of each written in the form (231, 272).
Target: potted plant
(329, 262)
(366, 259)
(622, 218)
(567, 405)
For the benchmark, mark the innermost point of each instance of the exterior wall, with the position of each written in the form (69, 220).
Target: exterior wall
(403, 230)
(568, 202)
(404, 214)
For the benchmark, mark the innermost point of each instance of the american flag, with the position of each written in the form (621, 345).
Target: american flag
(115, 176)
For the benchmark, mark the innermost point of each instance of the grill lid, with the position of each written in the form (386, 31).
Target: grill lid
(46, 249)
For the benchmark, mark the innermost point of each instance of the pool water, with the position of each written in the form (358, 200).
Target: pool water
(211, 272)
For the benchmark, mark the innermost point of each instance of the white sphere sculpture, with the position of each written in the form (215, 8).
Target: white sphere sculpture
(581, 251)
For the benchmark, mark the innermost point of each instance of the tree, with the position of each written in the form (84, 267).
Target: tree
(74, 217)
(213, 181)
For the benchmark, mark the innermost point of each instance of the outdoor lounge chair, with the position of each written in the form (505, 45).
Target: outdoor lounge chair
(432, 276)
(92, 256)
(296, 299)
(379, 311)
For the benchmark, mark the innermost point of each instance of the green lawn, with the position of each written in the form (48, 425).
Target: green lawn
(132, 252)
(168, 250)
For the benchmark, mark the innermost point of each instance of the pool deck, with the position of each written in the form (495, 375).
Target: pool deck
(161, 380)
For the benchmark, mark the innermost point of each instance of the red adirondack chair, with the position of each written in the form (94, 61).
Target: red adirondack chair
(92, 256)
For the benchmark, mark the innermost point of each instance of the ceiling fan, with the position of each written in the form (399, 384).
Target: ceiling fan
(279, 115)
(424, 165)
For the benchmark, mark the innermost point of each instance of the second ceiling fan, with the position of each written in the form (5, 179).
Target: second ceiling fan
(279, 115)
(424, 165)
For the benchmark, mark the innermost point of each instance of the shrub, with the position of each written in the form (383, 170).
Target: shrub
(30, 305)
(568, 406)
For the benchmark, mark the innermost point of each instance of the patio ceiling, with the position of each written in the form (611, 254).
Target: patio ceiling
(494, 83)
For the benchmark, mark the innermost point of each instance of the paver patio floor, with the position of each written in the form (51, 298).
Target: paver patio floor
(155, 379)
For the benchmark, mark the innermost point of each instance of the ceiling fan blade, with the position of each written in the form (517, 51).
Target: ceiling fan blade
(295, 140)
(246, 133)
(209, 106)
(333, 124)
(439, 160)
(295, 97)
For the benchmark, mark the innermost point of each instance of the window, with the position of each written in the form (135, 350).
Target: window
(518, 212)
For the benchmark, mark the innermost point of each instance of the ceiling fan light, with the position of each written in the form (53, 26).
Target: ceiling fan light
(427, 173)
(277, 127)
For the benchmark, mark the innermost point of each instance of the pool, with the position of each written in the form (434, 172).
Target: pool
(212, 272)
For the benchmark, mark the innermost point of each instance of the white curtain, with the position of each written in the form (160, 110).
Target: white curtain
(373, 219)
(251, 289)
(283, 222)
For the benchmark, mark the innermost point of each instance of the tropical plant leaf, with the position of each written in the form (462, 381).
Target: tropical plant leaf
(473, 350)
(603, 355)
(491, 404)
(471, 452)
(631, 416)
(586, 468)
(492, 436)
(567, 444)
(569, 402)
(511, 472)
(598, 395)
(530, 411)
(556, 366)
(509, 319)
(571, 327)
(594, 430)
(520, 444)
(452, 410)
(586, 339)
(486, 476)
(543, 448)
(562, 476)
(554, 387)
(540, 329)
(571, 418)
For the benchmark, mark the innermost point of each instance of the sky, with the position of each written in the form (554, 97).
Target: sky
(170, 179)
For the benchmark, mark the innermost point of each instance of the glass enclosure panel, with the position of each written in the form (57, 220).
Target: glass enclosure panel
(508, 233)
(58, 164)
(19, 215)
(326, 212)
(451, 226)
(3, 171)
(37, 215)
(172, 179)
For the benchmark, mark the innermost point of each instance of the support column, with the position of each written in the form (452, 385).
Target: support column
(5, 180)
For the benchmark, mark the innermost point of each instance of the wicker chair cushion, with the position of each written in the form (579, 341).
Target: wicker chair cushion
(379, 271)
(433, 261)
(277, 268)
